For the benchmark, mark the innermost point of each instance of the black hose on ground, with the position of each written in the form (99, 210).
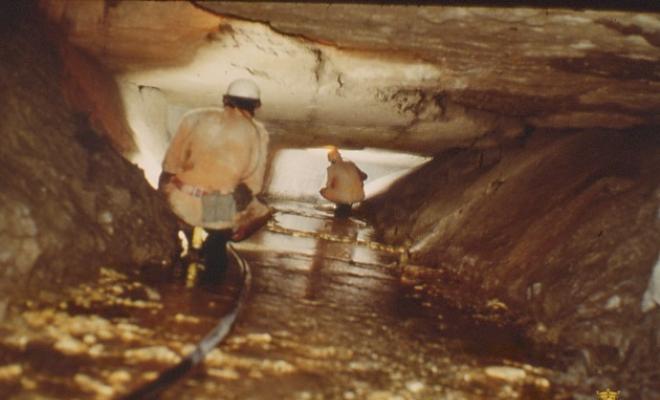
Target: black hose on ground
(210, 341)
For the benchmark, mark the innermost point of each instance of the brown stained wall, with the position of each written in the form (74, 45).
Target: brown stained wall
(69, 203)
(562, 230)
(89, 87)
(425, 78)
(126, 36)
(130, 35)
(93, 91)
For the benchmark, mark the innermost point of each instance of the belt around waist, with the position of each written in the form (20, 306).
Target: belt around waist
(194, 191)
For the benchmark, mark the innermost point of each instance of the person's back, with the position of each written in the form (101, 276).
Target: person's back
(216, 150)
(215, 166)
(347, 186)
(344, 185)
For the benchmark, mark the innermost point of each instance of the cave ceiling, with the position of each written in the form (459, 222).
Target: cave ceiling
(414, 78)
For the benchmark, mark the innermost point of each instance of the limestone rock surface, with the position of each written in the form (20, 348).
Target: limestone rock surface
(69, 202)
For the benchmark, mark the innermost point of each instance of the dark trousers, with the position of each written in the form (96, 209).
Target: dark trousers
(342, 210)
(214, 253)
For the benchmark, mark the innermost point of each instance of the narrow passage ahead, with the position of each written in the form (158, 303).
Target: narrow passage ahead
(329, 316)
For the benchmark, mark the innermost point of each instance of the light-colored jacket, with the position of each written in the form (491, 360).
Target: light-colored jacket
(345, 183)
(216, 149)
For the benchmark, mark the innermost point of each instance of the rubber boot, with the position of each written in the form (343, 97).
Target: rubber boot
(214, 254)
(342, 210)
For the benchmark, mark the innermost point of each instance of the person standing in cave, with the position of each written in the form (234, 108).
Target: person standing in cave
(214, 169)
(345, 183)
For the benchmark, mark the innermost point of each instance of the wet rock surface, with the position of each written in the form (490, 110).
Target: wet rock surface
(553, 230)
(69, 201)
(562, 233)
(549, 67)
(327, 318)
(420, 78)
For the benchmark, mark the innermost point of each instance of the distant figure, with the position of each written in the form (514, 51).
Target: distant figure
(345, 184)
(215, 167)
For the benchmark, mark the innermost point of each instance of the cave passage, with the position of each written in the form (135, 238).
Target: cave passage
(517, 259)
(332, 314)
(300, 173)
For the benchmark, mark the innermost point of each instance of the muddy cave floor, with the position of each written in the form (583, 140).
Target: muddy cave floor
(328, 317)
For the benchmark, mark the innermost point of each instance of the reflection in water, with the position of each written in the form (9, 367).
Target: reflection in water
(326, 249)
(329, 317)
(220, 330)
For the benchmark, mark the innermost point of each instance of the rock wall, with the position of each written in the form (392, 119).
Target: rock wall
(407, 78)
(92, 90)
(558, 231)
(133, 35)
(69, 203)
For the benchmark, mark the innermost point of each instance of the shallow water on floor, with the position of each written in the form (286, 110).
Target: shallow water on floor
(328, 317)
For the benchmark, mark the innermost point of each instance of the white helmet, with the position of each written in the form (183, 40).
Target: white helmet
(244, 88)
